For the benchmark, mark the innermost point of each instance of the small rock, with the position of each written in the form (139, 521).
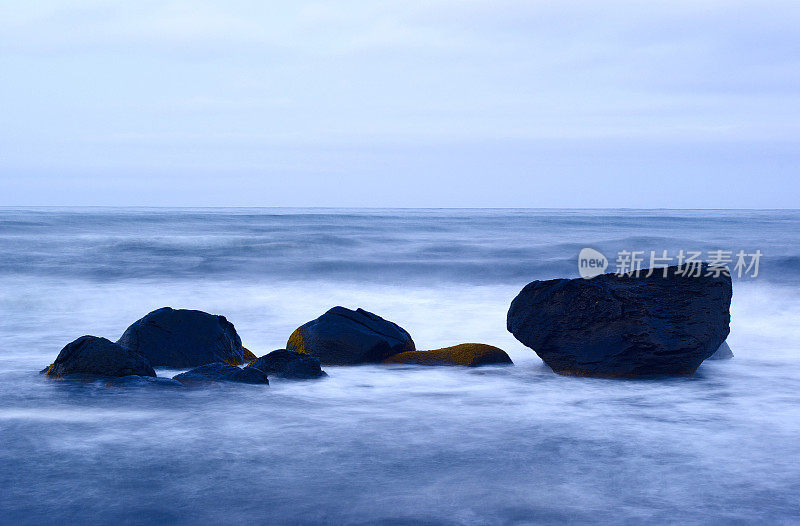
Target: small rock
(289, 364)
(344, 337)
(184, 338)
(221, 372)
(723, 353)
(90, 355)
(144, 381)
(467, 354)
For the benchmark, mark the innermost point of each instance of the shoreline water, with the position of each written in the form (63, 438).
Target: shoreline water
(381, 443)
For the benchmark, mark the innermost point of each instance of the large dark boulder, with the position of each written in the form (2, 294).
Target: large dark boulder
(466, 354)
(344, 337)
(624, 326)
(289, 364)
(723, 353)
(90, 355)
(182, 338)
(221, 372)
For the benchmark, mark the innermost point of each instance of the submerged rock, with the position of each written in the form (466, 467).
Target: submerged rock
(467, 354)
(625, 326)
(345, 337)
(184, 338)
(723, 353)
(144, 381)
(90, 355)
(221, 372)
(289, 364)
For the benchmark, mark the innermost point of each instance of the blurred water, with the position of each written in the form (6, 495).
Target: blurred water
(385, 444)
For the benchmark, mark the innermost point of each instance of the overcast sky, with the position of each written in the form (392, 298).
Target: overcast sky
(686, 104)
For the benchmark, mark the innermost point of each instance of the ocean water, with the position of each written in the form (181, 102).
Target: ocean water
(386, 444)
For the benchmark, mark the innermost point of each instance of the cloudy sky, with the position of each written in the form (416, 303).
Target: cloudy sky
(686, 104)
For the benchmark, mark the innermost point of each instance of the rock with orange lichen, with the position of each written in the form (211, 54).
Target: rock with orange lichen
(248, 356)
(345, 337)
(466, 354)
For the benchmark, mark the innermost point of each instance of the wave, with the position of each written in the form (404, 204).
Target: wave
(483, 246)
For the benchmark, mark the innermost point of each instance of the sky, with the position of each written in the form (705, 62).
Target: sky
(435, 103)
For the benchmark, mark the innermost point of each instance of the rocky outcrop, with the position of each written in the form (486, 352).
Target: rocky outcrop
(723, 353)
(466, 354)
(221, 372)
(289, 364)
(90, 355)
(344, 337)
(624, 326)
(182, 338)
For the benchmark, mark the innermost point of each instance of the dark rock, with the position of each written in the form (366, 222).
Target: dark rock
(723, 353)
(625, 326)
(144, 381)
(289, 364)
(90, 355)
(184, 338)
(221, 372)
(467, 354)
(344, 337)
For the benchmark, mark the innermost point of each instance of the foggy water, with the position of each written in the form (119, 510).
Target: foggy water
(386, 444)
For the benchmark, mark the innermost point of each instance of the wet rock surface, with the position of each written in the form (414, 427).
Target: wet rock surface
(91, 355)
(626, 326)
(344, 337)
(289, 364)
(182, 338)
(723, 353)
(465, 354)
(221, 372)
(134, 381)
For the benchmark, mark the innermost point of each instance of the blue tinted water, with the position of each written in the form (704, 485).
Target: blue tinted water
(386, 444)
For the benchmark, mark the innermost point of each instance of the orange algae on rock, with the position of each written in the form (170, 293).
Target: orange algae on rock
(465, 354)
(297, 342)
(248, 355)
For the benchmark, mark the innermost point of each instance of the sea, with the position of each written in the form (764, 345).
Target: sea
(389, 444)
